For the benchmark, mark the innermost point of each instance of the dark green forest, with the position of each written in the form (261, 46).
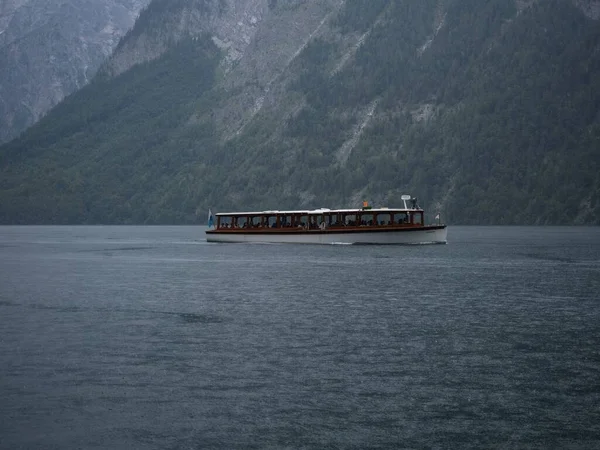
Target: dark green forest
(111, 152)
(512, 135)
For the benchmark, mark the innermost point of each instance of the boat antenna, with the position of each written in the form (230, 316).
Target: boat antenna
(404, 198)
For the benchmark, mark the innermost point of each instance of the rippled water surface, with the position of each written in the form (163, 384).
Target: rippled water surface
(151, 338)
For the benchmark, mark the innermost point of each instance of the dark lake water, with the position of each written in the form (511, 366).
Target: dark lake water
(150, 338)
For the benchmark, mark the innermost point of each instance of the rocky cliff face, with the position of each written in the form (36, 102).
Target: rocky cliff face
(591, 8)
(259, 38)
(51, 48)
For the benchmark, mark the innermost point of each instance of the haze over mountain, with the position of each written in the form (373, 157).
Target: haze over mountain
(487, 110)
(50, 48)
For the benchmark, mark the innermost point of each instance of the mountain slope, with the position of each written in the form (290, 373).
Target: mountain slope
(50, 48)
(488, 111)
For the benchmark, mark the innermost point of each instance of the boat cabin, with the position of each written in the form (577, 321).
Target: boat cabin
(320, 219)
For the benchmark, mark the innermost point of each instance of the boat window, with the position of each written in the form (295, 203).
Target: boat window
(242, 222)
(225, 221)
(366, 220)
(271, 221)
(418, 218)
(322, 221)
(350, 220)
(315, 221)
(384, 219)
(400, 218)
(255, 222)
(335, 220)
(302, 221)
(285, 221)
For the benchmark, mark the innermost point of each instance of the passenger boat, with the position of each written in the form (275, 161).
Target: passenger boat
(329, 226)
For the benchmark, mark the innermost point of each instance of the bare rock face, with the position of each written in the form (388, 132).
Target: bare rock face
(7, 10)
(591, 8)
(51, 48)
(232, 23)
(259, 40)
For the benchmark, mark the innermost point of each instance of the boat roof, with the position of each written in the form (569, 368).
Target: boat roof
(320, 211)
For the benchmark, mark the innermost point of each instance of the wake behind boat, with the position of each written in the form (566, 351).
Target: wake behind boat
(329, 226)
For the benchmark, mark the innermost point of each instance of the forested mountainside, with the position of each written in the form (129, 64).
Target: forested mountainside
(50, 48)
(487, 110)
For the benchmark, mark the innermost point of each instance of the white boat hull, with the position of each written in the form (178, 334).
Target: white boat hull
(425, 235)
